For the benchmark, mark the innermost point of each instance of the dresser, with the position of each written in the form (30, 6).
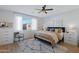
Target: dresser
(6, 36)
(71, 38)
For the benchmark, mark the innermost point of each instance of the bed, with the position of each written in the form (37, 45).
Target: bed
(52, 35)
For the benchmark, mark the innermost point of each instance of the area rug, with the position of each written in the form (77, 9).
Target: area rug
(37, 46)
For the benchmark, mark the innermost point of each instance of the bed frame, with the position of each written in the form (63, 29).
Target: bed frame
(52, 29)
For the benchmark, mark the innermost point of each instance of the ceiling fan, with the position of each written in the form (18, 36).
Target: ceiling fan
(44, 9)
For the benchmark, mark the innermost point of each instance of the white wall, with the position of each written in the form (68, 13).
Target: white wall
(71, 17)
(6, 16)
(40, 23)
(53, 21)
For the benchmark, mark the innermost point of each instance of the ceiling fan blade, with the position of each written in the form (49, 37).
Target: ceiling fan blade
(48, 9)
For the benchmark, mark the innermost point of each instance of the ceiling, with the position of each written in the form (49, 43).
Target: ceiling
(31, 9)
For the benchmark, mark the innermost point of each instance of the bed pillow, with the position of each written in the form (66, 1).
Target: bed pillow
(59, 33)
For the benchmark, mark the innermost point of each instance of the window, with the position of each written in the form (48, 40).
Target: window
(29, 23)
(25, 23)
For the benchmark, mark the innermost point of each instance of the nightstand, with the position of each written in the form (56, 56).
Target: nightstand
(71, 38)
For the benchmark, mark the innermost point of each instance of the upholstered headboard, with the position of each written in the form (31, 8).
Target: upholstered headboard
(53, 28)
